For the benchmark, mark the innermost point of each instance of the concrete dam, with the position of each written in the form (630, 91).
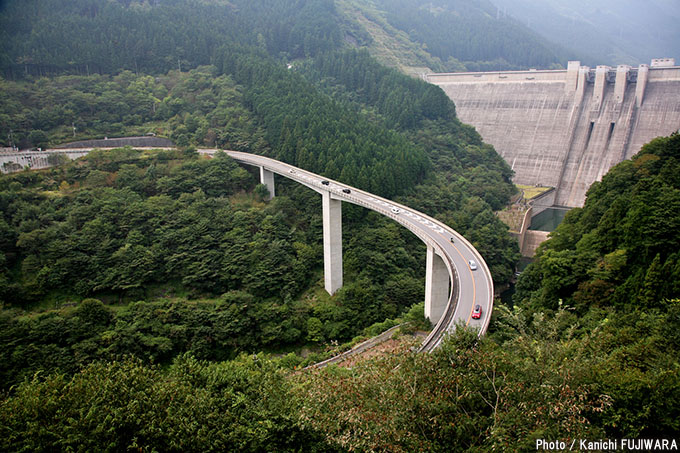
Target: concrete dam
(566, 128)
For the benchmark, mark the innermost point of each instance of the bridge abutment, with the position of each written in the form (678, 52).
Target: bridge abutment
(436, 286)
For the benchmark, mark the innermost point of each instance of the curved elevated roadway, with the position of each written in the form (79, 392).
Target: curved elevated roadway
(467, 287)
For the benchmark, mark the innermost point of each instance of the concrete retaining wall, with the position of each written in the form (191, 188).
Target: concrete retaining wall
(144, 142)
(532, 239)
(542, 202)
(358, 349)
(523, 229)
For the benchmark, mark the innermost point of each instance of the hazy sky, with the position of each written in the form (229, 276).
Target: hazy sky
(607, 31)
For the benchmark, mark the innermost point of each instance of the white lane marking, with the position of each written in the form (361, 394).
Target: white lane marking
(416, 217)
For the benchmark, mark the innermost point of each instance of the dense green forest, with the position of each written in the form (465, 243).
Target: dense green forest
(557, 376)
(44, 37)
(85, 36)
(152, 300)
(163, 227)
(601, 368)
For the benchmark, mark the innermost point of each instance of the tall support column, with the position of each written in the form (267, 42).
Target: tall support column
(436, 286)
(643, 75)
(267, 178)
(332, 243)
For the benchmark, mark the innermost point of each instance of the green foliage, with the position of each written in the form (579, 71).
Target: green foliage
(163, 220)
(405, 101)
(155, 332)
(242, 405)
(605, 375)
(615, 263)
(195, 108)
(89, 36)
(261, 192)
(463, 167)
(467, 396)
(126, 225)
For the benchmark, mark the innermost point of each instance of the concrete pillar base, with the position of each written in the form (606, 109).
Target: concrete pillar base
(267, 178)
(436, 286)
(332, 243)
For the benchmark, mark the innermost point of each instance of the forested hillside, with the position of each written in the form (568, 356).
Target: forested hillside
(157, 301)
(98, 36)
(248, 101)
(124, 226)
(215, 270)
(84, 36)
(473, 33)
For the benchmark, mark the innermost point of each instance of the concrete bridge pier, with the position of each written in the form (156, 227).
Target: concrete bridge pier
(332, 242)
(436, 286)
(267, 178)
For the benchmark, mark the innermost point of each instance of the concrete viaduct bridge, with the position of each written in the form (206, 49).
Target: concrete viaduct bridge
(457, 278)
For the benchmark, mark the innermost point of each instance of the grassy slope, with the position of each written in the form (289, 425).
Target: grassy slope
(388, 45)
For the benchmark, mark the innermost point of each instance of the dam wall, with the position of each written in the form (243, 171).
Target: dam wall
(566, 128)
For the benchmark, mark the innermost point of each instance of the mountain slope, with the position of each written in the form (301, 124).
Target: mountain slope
(84, 36)
(447, 35)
